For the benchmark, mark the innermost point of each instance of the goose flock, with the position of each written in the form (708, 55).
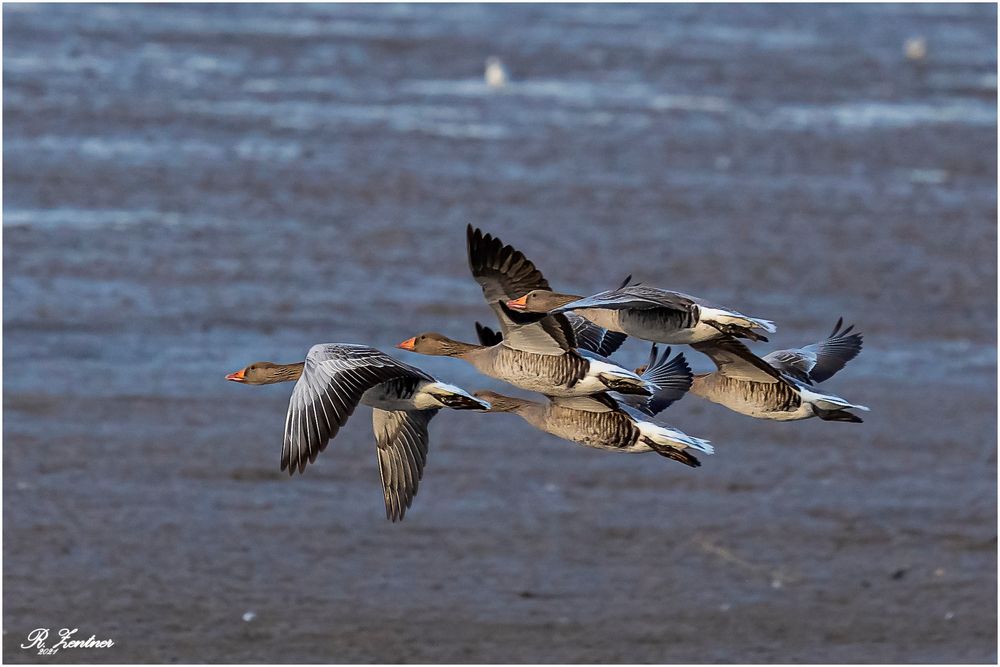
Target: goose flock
(557, 345)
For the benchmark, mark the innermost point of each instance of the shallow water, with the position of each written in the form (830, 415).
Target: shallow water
(191, 188)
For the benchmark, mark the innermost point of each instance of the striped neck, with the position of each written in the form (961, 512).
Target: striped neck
(274, 373)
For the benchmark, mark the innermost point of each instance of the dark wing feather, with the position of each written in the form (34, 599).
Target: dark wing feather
(594, 338)
(487, 336)
(793, 363)
(334, 378)
(833, 353)
(611, 342)
(672, 377)
(820, 361)
(504, 273)
(401, 436)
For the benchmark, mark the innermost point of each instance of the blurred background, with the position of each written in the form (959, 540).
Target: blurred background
(188, 189)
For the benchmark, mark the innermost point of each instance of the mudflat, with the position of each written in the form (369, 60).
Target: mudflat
(188, 189)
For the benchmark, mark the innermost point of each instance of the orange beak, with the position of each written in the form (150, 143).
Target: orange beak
(237, 376)
(408, 344)
(518, 304)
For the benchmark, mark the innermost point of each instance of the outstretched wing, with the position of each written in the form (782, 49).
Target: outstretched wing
(672, 378)
(590, 336)
(504, 273)
(820, 361)
(334, 378)
(401, 436)
(735, 360)
(638, 297)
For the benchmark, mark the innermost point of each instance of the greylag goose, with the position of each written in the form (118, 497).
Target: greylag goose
(778, 386)
(534, 367)
(612, 422)
(649, 313)
(329, 385)
(537, 352)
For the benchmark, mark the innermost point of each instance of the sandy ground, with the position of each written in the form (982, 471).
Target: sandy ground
(190, 189)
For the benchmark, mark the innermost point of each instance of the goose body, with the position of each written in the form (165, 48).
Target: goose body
(570, 373)
(603, 422)
(777, 387)
(332, 381)
(650, 313)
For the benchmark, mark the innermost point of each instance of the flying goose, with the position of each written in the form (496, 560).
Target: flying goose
(537, 352)
(778, 386)
(571, 373)
(330, 383)
(611, 421)
(649, 313)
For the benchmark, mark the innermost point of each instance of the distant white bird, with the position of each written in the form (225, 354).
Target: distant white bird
(496, 73)
(915, 48)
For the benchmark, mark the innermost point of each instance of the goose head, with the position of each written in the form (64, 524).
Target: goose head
(435, 344)
(266, 372)
(541, 301)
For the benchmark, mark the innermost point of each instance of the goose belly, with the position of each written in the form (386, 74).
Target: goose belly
(612, 431)
(663, 325)
(776, 401)
(552, 375)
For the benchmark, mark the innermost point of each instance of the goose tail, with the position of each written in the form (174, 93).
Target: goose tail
(766, 325)
(837, 416)
(735, 324)
(456, 398)
(830, 402)
(658, 436)
(627, 384)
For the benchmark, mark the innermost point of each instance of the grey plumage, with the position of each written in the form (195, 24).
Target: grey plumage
(401, 437)
(664, 316)
(591, 337)
(822, 360)
(333, 381)
(779, 390)
(671, 376)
